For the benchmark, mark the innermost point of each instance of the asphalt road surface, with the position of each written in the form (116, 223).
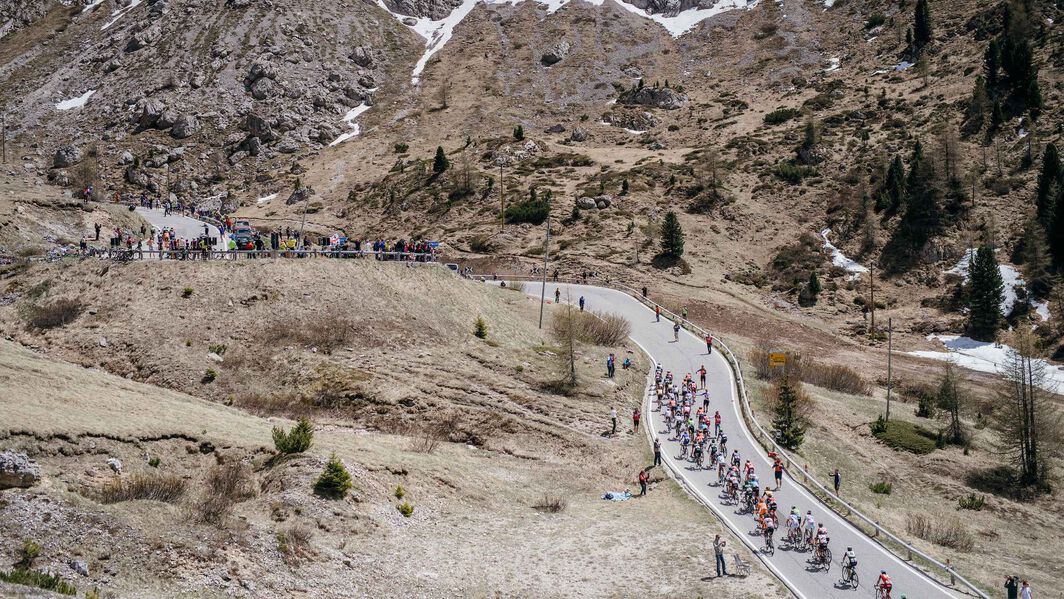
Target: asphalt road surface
(185, 226)
(792, 566)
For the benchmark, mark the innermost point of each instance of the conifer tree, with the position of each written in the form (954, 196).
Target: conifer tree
(1049, 180)
(440, 162)
(992, 65)
(893, 191)
(985, 293)
(1056, 229)
(671, 236)
(922, 26)
(922, 212)
(1037, 266)
(977, 105)
(790, 408)
(335, 480)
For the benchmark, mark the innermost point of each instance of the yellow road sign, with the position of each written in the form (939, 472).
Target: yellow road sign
(777, 358)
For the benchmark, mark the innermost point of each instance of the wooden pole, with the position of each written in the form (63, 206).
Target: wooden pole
(543, 290)
(890, 370)
(872, 301)
(3, 138)
(502, 201)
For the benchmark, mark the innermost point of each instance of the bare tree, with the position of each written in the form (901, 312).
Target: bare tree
(444, 94)
(952, 401)
(1029, 425)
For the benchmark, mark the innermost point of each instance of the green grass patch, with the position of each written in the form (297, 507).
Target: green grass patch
(902, 435)
(41, 580)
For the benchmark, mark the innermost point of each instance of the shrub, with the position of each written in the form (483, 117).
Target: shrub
(907, 436)
(54, 314)
(781, 115)
(187, 292)
(881, 488)
(401, 148)
(334, 481)
(971, 502)
(209, 376)
(835, 377)
(793, 173)
(217, 348)
(519, 133)
(406, 509)
(153, 487)
(294, 543)
(552, 504)
(29, 551)
(326, 331)
(154, 462)
(399, 492)
(480, 328)
(875, 20)
(594, 329)
(951, 533)
(533, 211)
(296, 440)
(41, 580)
(227, 484)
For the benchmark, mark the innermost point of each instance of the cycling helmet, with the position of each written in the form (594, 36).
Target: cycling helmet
(849, 549)
(882, 571)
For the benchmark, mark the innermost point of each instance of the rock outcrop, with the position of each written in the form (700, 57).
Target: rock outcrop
(655, 97)
(17, 470)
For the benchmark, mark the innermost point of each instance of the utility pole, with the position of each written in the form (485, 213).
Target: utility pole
(543, 290)
(872, 293)
(95, 169)
(3, 138)
(890, 350)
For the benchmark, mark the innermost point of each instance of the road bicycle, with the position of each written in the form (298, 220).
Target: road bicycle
(822, 557)
(769, 547)
(881, 592)
(849, 574)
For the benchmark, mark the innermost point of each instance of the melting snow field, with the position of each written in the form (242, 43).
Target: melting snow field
(265, 199)
(984, 357)
(349, 119)
(839, 259)
(834, 65)
(437, 33)
(118, 14)
(77, 102)
(1009, 275)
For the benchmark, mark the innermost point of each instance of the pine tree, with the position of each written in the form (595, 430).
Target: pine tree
(997, 117)
(951, 400)
(1049, 179)
(977, 104)
(1056, 229)
(624, 187)
(790, 409)
(814, 285)
(893, 192)
(440, 162)
(519, 133)
(1036, 262)
(922, 213)
(985, 293)
(296, 440)
(671, 237)
(480, 328)
(992, 65)
(335, 480)
(922, 26)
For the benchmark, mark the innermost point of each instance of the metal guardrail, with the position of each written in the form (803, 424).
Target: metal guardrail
(766, 439)
(198, 254)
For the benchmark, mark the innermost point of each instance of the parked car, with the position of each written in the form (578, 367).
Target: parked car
(244, 242)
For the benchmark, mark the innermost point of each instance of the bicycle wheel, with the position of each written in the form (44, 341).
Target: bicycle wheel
(827, 560)
(853, 580)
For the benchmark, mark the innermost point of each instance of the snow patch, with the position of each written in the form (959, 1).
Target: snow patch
(1009, 276)
(91, 5)
(983, 356)
(349, 120)
(1041, 309)
(635, 131)
(833, 64)
(438, 32)
(77, 102)
(903, 65)
(119, 13)
(265, 199)
(839, 259)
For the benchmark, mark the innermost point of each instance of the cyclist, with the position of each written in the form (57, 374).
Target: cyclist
(770, 529)
(810, 527)
(884, 584)
(822, 541)
(849, 564)
(794, 521)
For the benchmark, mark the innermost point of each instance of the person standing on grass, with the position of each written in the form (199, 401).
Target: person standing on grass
(718, 551)
(1025, 591)
(1012, 589)
(611, 366)
(837, 480)
(613, 419)
(644, 477)
(636, 415)
(657, 451)
(557, 295)
(709, 344)
(581, 303)
(684, 312)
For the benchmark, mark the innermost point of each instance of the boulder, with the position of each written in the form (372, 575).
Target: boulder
(79, 566)
(253, 146)
(150, 110)
(263, 88)
(578, 135)
(656, 97)
(363, 57)
(186, 125)
(66, 156)
(115, 464)
(261, 70)
(17, 470)
(126, 158)
(585, 203)
(555, 54)
(166, 119)
(287, 145)
(299, 195)
(557, 128)
(602, 202)
(144, 38)
(259, 127)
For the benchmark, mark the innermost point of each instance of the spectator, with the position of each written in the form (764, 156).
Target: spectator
(613, 418)
(1025, 591)
(837, 480)
(657, 451)
(636, 415)
(1012, 590)
(718, 550)
(643, 479)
